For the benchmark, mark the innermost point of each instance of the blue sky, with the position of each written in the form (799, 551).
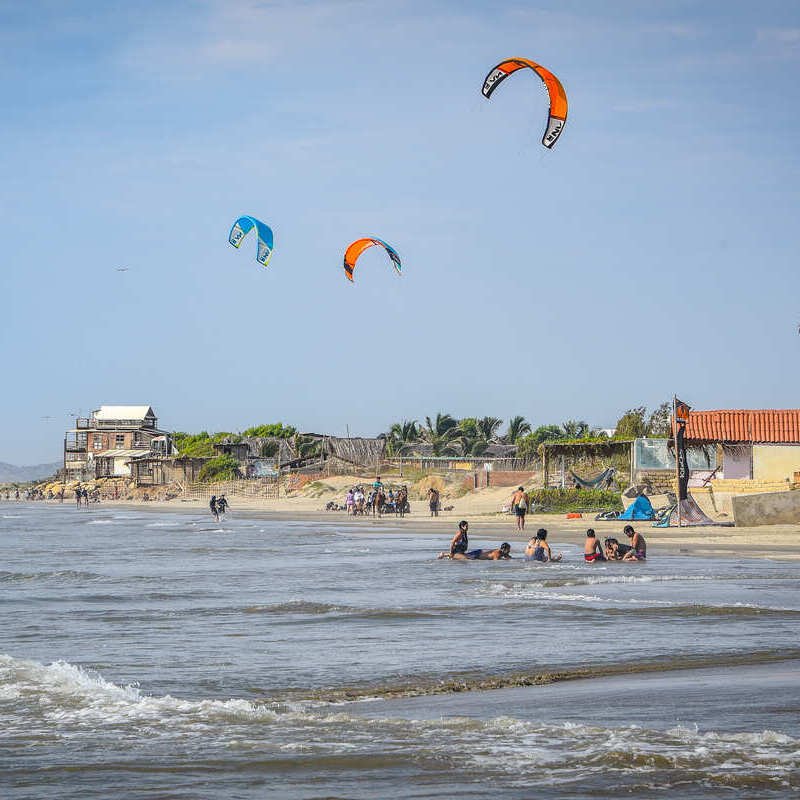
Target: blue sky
(542, 283)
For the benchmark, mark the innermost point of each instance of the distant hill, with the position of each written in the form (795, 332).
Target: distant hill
(10, 473)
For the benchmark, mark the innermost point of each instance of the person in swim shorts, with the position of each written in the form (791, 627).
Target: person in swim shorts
(638, 551)
(539, 550)
(592, 549)
(433, 501)
(460, 543)
(519, 505)
(501, 553)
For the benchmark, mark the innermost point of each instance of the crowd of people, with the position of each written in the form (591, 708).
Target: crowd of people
(378, 500)
(538, 548)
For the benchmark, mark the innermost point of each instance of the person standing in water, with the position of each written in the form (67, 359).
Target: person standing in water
(519, 504)
(213, 506)
(78, 496)
(222, 505)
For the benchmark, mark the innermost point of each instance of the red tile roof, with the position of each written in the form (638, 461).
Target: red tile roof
(761, 425)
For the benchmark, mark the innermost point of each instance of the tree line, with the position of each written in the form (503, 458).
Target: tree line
(472, 436)
(447, 435)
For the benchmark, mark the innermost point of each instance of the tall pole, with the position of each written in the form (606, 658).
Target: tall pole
(677, 454)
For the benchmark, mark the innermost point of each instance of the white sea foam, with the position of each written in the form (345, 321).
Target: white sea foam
(172, 524)
(536, 591)
(73, 701)
(68, 693)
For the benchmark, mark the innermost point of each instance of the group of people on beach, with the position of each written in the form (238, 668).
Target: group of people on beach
(379, 501)
(538, 549)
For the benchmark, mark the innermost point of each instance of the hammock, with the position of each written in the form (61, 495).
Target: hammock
(602, 481)
(691, 514)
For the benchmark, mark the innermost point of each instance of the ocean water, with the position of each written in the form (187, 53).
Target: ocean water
(147, 654)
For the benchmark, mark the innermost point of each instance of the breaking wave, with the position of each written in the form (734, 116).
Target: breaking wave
(66, 700)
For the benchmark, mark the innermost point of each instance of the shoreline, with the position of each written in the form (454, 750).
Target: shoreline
(780, 542)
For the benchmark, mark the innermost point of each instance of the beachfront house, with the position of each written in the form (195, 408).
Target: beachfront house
(104, 443)
(756, 451)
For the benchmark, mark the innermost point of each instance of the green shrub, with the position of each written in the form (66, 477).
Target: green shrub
(563, 500)
(195, 445)
(276, 431)
(221, 468)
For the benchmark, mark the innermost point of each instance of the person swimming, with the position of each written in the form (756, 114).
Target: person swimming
(592, 549)
(539, 550)
(501, 553)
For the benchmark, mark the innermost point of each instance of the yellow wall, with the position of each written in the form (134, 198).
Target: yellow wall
(775, 462)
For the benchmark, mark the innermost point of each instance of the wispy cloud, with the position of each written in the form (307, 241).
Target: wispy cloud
(237, 33)
(779, 42)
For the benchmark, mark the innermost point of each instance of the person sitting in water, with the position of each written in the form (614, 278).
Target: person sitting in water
(460, 543)
(638, 549)
(539, 550)
(592, 549)
(611, 549)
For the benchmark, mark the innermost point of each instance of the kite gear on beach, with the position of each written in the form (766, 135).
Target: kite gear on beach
(353, 252)
(557, 117)
(243, 226)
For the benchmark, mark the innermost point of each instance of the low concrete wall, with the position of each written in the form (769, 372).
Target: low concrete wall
(772, 508)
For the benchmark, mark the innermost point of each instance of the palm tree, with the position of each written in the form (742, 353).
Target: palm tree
(472, 446)
(401, 435)
(441, 434)
(517, 428)
(488, 427)
(575, 429)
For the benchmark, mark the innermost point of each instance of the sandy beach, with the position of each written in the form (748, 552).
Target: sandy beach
(480, 509)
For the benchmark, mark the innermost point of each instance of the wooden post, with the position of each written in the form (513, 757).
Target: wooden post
(633, 447)
(563, 473)
(544, 466)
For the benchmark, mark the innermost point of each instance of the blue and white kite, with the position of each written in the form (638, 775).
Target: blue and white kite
(243, 226)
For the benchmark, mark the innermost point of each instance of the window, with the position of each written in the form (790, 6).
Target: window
(119, 441)
(97, 441)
